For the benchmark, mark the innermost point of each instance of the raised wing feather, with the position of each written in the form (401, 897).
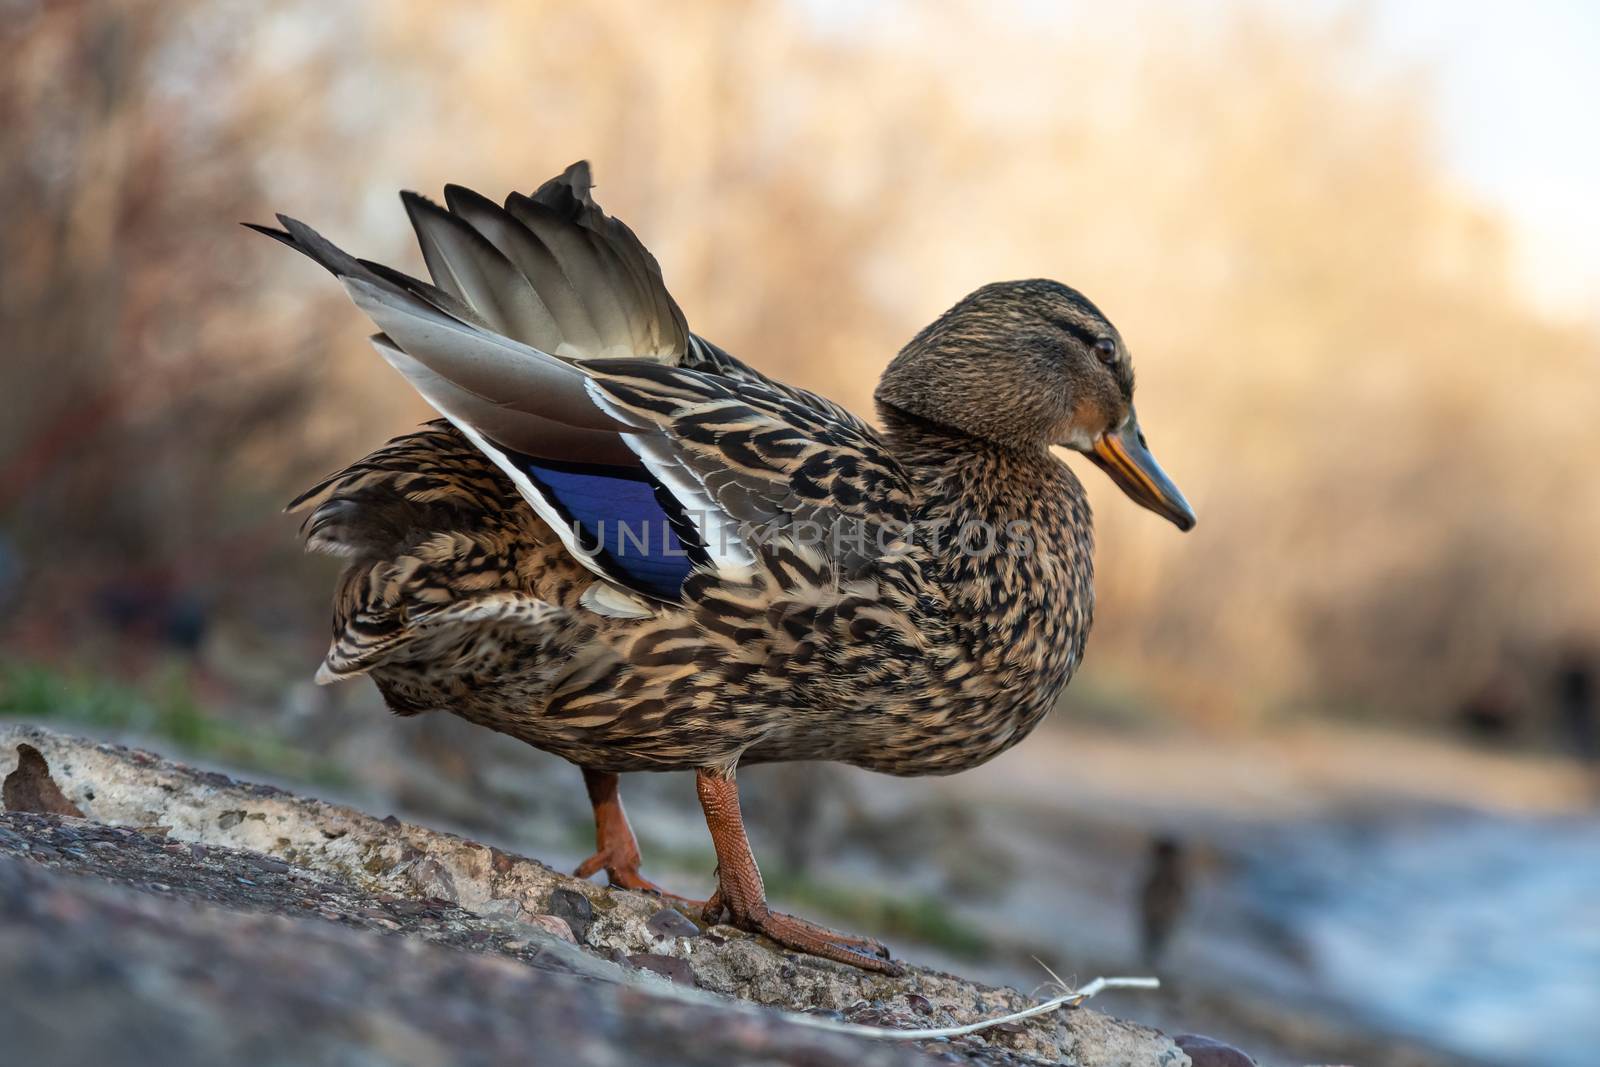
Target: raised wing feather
(706, 459)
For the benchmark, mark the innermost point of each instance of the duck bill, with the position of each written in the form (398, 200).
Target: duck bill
(1122, 454)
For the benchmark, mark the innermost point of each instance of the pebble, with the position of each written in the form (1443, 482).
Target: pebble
(551, 924)
(1208, 1052)
(434, 880)
(574, 907)
(670, 922)
(410, 907)
(674, 969)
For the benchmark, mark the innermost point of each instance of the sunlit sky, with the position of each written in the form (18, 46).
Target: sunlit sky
(1517, 89)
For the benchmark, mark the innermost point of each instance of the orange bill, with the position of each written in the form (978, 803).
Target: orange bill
(1124, 455)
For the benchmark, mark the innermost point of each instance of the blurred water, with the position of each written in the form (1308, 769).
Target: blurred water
(1479, 934)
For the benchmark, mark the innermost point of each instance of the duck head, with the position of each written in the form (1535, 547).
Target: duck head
(1031, 364)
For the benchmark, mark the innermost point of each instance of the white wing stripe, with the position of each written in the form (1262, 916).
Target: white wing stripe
(719, 532)
(419, 376)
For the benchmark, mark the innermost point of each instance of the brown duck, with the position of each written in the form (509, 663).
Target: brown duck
(624, 546)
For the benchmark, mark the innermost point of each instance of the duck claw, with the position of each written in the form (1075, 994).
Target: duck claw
(621, 867)
(621, 874)
(792, 932)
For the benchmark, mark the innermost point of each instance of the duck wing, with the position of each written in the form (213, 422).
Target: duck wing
(644, 467)
(705, 356)
(760, 462)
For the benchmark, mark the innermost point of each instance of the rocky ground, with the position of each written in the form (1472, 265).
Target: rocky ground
(183, 917)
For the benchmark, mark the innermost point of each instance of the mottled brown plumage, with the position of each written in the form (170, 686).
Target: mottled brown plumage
(910, 600)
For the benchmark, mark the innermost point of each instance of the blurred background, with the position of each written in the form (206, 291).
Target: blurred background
(1331, 765)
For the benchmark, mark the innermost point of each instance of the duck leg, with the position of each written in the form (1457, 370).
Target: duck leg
(742, 896)
(615, 848)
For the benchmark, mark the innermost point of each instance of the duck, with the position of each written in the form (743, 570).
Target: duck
(624, 546)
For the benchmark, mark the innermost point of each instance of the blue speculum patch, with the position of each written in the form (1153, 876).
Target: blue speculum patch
(636, 531)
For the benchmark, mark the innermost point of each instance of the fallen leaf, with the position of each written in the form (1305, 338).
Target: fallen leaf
(30, 787)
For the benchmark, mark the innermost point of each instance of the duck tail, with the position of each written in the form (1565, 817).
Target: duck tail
(412, 488)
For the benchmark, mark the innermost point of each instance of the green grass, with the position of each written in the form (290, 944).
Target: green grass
(160, 707)
(919, 917)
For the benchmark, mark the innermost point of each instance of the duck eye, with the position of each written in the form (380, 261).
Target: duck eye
(1106, 349)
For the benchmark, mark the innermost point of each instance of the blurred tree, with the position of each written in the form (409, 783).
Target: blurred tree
(153, 398)
(1387, 446)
